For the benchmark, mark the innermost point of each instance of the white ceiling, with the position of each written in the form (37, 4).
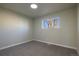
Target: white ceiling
(43, 9)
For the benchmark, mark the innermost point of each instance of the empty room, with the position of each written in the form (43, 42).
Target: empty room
(39, 29)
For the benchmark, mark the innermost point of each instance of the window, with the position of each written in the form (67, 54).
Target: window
(56, 22)
(51, 23)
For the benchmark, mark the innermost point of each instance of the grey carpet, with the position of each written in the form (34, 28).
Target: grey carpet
(35, 48)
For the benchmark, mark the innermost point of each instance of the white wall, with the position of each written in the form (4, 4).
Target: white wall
(14, 28)
(65, 36)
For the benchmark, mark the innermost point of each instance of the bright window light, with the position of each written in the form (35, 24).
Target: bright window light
(53, 22)
(33, 6)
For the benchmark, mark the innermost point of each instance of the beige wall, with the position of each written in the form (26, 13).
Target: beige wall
(14, 28)
(65, 35)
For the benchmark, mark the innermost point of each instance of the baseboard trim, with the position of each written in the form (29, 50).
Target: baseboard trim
(39, 41)
(14, 44)
(57, 44)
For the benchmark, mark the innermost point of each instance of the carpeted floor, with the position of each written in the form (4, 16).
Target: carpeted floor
(35, 48)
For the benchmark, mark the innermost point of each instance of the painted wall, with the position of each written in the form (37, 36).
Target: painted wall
(14, 28)
(65, 35)
(78, 28)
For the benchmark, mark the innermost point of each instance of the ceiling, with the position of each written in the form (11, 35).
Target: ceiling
(43, 8)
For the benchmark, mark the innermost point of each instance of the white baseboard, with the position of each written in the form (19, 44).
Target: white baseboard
(14, 44)
(39, 41)
(57, 44)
